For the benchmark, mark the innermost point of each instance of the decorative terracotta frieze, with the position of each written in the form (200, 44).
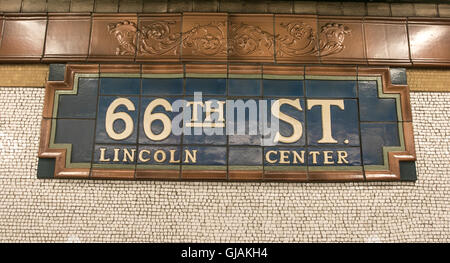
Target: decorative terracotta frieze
(224, 37)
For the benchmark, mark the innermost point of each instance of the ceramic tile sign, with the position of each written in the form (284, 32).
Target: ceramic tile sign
(312, 125)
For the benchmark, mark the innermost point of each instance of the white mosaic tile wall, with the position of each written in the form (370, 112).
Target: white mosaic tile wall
(83, 211)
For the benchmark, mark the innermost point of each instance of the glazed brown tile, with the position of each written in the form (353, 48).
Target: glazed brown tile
(286, 176)
(296, 39)
(23, 38)
(1, 28)
(331, 71)
(113, 37)
(163, 69)
(245, 175)
(121, 68)
(204, 37)
(336, 176)
(159, 38)
(429, 41)
(245, 69)
(206, 68)
(158, 174)
(67, 37)
(341, 41)
(251, 38)
(203, 175)
(112, 174)
(386, 41)
(283, 70)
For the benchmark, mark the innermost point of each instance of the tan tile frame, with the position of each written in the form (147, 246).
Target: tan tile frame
(390, 174)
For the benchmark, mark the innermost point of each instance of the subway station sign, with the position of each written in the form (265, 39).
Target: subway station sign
(227, 122)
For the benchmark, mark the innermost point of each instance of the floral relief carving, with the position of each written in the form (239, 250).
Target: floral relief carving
(125, 33)
(157, 38)
(206, 40)
(248, 39)
(301, 39)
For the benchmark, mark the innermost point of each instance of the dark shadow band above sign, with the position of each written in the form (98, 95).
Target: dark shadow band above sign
(227, 122)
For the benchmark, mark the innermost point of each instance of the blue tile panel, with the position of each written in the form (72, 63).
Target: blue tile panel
(373, 108)
(118, 125)
(159, 155)
(120, 86)
(330, 88)
(245, 155)
(205, 155)
(364, 120)
(80, 105)
(242, 122)
(344, 123)
(374, 136)
(162, 86)
(285, 156)
(206, 86)
(115, 154)
(244, 87)
(284, 128)
(157, 125)
(334, 156)
(283, 88)
(79, 133)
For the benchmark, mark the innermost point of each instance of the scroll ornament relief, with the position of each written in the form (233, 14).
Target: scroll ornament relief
(157, 38)
(125, 32)
(247, 40)
(206, 40)
(301, 39)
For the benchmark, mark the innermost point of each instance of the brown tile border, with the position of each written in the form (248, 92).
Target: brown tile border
(195, 37)
(392, 173)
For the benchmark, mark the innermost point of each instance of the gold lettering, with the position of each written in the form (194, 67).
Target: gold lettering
(141, 156)
(172, 157)
(210, 110)
(102, 155)
(284, 157)
(314, 156)
(189, 155)
(327, 157)
(116, 155)
(300, 158)
(326, 117)
(159, 159)
(150, 117)
(127, 155)
(341, 157)
(268, 157)
(296, 125)
(194, 105)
